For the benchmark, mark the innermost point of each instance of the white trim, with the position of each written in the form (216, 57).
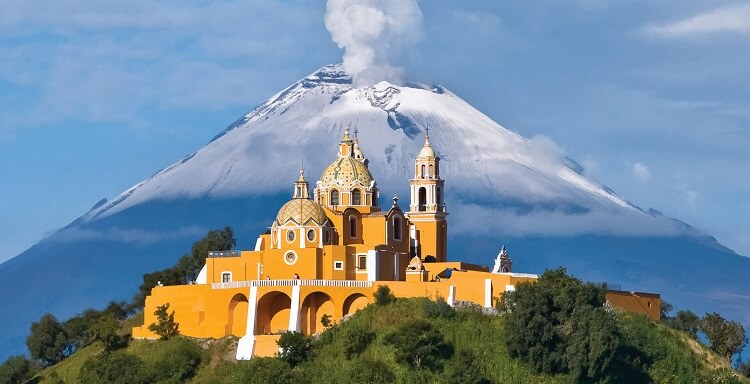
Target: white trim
(372, 265)
(202, 275)
(258, 244)
(451, 295)
(340, 265)
(294, 310)
(246, 345)
(510, 288)
(395, 267)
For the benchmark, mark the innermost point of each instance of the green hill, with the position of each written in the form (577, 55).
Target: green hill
(377, 344)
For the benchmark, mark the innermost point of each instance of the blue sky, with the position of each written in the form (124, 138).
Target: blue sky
(653, 98)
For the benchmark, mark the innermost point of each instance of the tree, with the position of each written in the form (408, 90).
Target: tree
(463, 369)
(383, 295)
(16, 370)
(325, 320)
(262, 370)
(356, 340)
(420, 345)
(165, 326)
(558, 325)
(295, 348)
(105, 330)
(47, 341)
(725, 337)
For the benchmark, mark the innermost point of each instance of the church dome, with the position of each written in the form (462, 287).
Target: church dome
(302, 212)
(346, 172)
(426, 151)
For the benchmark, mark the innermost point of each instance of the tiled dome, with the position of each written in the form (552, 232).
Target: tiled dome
(346, 172)
(301, 212)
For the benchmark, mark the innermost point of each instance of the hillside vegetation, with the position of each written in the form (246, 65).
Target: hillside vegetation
(436, 344)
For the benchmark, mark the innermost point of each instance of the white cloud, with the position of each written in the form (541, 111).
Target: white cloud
(733, 19)
(641, 172)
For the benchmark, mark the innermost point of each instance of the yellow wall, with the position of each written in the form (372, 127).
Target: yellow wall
(648, 304)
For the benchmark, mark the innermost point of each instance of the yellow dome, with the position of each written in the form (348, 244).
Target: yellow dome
(301, 212)
(346, 172)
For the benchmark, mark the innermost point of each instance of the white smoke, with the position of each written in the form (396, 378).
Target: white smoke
(373, 32)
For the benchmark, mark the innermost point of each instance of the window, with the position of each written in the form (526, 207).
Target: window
(310, 235)
(352, 226)
(362, 262)
(422, 199)
(356, 197)
(326, 236)
(397, 228)
(290, 236)
(226, 277)
(422, 173)
(338, 265)
(334, 197)
(438, 198)
(431, 174)
(290, 258)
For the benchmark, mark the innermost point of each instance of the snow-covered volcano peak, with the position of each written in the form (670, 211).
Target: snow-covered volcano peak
(484, 164)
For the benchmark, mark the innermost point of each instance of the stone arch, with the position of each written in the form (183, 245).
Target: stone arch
(313, 307)
(237, 315)
(272, 314)
(354, 303)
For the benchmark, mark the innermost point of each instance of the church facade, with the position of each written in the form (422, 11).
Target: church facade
(326, 253)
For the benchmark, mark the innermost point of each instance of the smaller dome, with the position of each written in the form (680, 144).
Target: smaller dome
(415, 264)
(346, 171)
(301, 212)
(426, 151)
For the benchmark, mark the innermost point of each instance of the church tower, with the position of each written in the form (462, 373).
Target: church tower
(427, 210)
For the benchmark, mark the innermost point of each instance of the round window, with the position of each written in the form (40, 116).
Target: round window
(311, 235)
(290, 235)
(290, 258)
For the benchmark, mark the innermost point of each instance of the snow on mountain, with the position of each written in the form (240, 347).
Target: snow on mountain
(262, 151)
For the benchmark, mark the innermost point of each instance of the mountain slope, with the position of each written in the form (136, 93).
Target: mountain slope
(500, 189)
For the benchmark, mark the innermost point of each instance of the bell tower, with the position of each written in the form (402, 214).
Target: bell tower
(427, 211)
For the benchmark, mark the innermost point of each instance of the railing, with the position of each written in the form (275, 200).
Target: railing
(293, 282)
(223, 253)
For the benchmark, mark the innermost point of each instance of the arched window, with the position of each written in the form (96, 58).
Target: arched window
(356, 197)
(327, 236)
(431, 174)
(438, 198)
(422, 174)
(334, 197)
(352, 226)
(422, 199)
(397, 228)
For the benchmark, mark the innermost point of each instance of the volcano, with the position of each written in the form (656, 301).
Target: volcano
(500, 189)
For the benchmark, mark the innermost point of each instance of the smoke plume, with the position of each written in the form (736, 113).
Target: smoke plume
(372, 33)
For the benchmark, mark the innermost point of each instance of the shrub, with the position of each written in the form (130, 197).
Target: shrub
(262, 370)
(356, 340)
(437, 309)
(165, 326)
(383, 295)
(463, 369)
(176, 361)
(117, 367)
(419, 344)
(105, 330)
(296, 348)
(367, 371)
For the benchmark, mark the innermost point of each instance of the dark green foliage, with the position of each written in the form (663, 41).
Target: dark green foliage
(356, 340)
(176, 361)
(685, 321)
(295, 347)
(114, 368)
(437, 309)
(77, 328)
(325, 320)
(725, 337)
(383, 295)
(592, 344)
(464, 369)
(48, 341)
(419, 345)
(665, 308)
(558, 325)
(16, 369)
(262, 370)
(188, 266)
(165, 325)
(368, 371)
(105, 330)
(744, 368)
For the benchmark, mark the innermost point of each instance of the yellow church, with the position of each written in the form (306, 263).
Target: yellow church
(326, 254)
